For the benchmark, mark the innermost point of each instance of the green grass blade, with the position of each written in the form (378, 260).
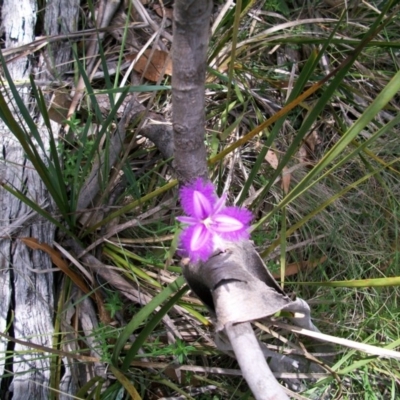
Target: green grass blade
(143, 314)
(391, 89)
(54, 163)
(47, 172)
(134, 204)
(84, 390)
(105, 126)
(37, 208)
(126, 383)
(358, 283)
(299, 86)
(323, 205)
(88, 87)
(149, 327)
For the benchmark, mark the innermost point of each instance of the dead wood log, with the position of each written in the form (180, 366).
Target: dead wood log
(26, 295)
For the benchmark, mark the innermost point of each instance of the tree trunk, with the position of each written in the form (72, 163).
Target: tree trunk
(189, 51)
(27, 301)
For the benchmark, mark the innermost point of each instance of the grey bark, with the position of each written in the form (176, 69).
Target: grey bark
(189, 50)
(252, 363)
(61, 17)
(28, 295)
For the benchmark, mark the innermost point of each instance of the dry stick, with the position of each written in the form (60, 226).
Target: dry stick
(129, 224)
(190, 43)
(106, 12)
(252, 363)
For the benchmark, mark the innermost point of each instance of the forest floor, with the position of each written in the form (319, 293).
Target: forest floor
(323, 184)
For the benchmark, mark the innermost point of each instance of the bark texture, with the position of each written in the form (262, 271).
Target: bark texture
(189, 50)
(252, 363)
(61, 17)
(25, 295)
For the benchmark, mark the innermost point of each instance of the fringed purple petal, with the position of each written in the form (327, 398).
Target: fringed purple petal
(187, 195)
(200, 236)
(224, 223)
(220, 204)
(234, 236)
(201, 205)
(187, 220)
(196, 242)
(239, 220)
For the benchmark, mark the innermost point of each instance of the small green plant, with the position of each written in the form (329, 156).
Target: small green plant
(181, 350)
(178, 350)
(104, 335)
(277, 6)
(113, 303)
(75, 155)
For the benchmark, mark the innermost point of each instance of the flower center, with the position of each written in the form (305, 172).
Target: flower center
(207, 222)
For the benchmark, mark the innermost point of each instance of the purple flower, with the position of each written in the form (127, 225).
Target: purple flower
(210, 222)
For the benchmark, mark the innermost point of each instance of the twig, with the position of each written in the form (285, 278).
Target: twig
(252, 363)
(106, 12)
(366, 348)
